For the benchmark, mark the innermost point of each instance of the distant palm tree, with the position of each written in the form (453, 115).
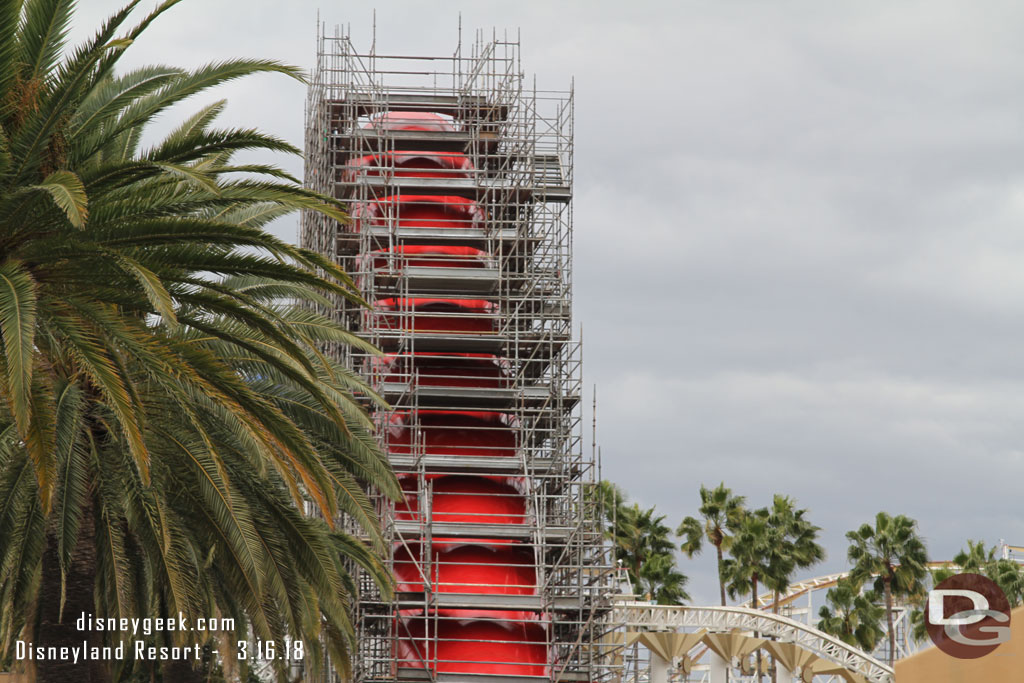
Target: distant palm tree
(794, 547)
(640, 536)
(979, 558)
(893, 554)
(918, 626)
(976, 558)
(643, 546)
(852, 616)
(751, 554)
(662, 580)
(719, 511)
(768, 545)
(753, 558)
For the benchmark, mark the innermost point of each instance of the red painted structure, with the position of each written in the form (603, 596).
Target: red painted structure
(460, 639)
(476, 370)
(419, 211)
(409, 164)
(458, 433)
(426, 121)
(426, 256)
(434, 316)
(502, 647)
(394, 261)
(460, 567)
(468, 500)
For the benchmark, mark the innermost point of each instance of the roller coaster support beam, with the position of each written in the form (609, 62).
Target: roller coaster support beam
(718, 668)
(659, 669)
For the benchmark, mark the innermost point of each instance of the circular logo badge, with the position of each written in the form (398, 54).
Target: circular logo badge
(968, 616)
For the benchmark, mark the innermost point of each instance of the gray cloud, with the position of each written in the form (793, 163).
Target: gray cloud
(798, 233)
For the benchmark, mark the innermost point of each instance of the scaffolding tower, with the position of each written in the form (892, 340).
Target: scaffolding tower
(458, 182)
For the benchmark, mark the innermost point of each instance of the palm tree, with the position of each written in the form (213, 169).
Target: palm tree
(977, 558)
(643, 546)
(151, 410)
(751, 558)
(719, 510)
(852, 616)
(639, 537)
(1009, 575)
(794, 547)
(918, 626)
(894, 555)
(768, 546)
(981, 559)
(661, 579)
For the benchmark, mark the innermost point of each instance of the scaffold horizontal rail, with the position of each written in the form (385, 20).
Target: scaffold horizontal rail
(458, 397)
(371, 140)
(437, 279)
(463, 107)
(349, 243)
(468, 530)
(519, 191)
(491, 464)
(528, 345)
(440, 677)
(472, 601)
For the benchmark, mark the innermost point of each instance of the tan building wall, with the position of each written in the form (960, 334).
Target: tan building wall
(1005, 665)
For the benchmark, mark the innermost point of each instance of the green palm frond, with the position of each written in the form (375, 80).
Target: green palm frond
(168, 413)
(41, 37)
(68, 193)
(17, 330)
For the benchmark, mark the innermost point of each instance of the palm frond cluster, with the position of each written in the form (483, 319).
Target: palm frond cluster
(166, 414)
(643, 547)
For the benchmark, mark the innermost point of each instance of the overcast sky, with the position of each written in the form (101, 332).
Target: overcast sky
(799, 233)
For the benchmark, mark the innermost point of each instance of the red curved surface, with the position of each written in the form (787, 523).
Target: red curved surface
(394, 261)
(480, 370)
(418, 211)
(426, 256)
(465, 433)
(468, 500)
(412, 120)
(496, 642)
(434, 316)
(467, 568)
(474, 646)
(409, 164)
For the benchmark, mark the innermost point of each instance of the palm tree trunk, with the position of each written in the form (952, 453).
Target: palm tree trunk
(57, 629)
(721, 581)
(888, 620)
(775, 610)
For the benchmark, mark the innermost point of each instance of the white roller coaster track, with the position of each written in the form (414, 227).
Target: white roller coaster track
(800, 588)
(766, 600)
(858, 665)
(643, 615)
